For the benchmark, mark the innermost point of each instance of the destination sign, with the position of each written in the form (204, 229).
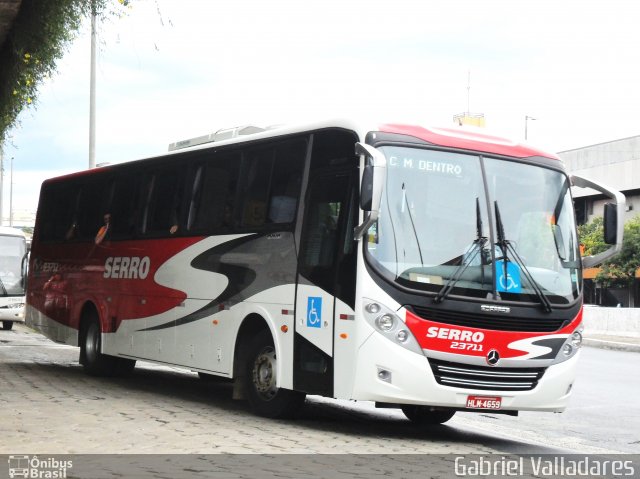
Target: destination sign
(429, 166)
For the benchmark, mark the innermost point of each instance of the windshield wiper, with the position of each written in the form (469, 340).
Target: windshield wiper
(507, 247)
(413, 226)
(476, 247)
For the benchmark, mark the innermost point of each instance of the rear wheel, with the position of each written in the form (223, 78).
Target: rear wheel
(7, 325)
(265, 398)
(91, 357)
(425, 415)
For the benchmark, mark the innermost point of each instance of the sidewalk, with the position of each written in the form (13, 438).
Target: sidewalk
(618, 343)
(612, 328)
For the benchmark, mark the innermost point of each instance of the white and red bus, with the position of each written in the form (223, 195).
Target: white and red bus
(13, 275)
(432, 270)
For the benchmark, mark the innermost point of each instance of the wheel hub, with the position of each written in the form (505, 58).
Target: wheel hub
(264, 374)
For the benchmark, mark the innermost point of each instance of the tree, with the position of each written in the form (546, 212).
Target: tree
(592, 237)
(38, 38)
(619, 271)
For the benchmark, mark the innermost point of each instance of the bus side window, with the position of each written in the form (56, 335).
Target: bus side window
(258, 166)
(59, 210)
(91, 209)
(162, 216)
(213, 194)
(274, 176)
(320, 237)
(124, 206)
(286, 181)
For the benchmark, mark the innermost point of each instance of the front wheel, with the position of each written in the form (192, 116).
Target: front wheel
(425, 415)
(265, 398)
(7, 325)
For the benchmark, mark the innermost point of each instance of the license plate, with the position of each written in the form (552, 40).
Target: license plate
(484, 402)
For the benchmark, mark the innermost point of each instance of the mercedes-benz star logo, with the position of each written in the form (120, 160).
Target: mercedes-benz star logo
(493, 357)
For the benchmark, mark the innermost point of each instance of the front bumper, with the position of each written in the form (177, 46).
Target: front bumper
(411, 381)
(12, 313)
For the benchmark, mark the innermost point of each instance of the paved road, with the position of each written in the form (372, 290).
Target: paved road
(604, 412)
(45, 394)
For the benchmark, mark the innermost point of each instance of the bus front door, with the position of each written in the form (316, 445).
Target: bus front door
(321, 255)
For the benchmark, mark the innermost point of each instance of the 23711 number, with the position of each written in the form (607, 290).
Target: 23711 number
(466, 346)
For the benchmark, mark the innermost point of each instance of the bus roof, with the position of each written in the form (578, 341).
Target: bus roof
(465, 138)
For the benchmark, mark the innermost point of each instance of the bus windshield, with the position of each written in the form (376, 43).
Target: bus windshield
(476, 225)
(12, 253)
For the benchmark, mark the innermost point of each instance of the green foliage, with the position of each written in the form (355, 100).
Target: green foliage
(592, 237)
(41, 32)
(621, 269)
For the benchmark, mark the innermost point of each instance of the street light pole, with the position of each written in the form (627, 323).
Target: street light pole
(92, 91)
(526, 121)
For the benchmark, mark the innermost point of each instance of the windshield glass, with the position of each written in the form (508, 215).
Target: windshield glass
(434, 223)
(12, 251)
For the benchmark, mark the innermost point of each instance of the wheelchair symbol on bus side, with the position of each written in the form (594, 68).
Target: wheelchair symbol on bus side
(314, 312)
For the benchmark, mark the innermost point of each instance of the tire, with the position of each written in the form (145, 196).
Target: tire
(94, 362)
(265, 398)
(7, 325)
(426, 416)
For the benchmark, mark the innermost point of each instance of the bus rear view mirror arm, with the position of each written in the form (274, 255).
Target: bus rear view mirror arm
(374, 175)
(613, 220)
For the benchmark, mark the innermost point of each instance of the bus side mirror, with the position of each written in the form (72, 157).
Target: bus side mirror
(374, 176)
(613, 220)
(610, 223)
(366, 188)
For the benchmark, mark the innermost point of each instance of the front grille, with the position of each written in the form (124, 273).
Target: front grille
(485, 377)
(484, 321)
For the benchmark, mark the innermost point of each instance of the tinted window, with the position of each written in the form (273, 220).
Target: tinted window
(213, 193)
(164, 192)
(57, 210)
(321, 243)
(125, 205)
(273, 177)
(91, 209)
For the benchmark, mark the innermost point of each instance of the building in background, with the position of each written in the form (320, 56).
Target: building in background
(616, 164)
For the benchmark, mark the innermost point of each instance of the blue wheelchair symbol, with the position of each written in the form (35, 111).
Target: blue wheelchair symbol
(511, 282)
(314, 312)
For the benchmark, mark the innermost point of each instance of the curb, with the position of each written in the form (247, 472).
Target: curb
(613, 345)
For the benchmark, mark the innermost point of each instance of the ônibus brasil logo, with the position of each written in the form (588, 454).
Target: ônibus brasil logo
(38, 468)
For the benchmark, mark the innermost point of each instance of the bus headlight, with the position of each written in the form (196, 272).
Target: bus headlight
(387, 323)
(576, 339)
(373, 308)
(402, 335)
(571, 346)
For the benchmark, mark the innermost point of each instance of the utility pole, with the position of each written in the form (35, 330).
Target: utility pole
(92, 91)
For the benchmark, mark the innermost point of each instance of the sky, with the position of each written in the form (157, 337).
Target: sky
(174, 69)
